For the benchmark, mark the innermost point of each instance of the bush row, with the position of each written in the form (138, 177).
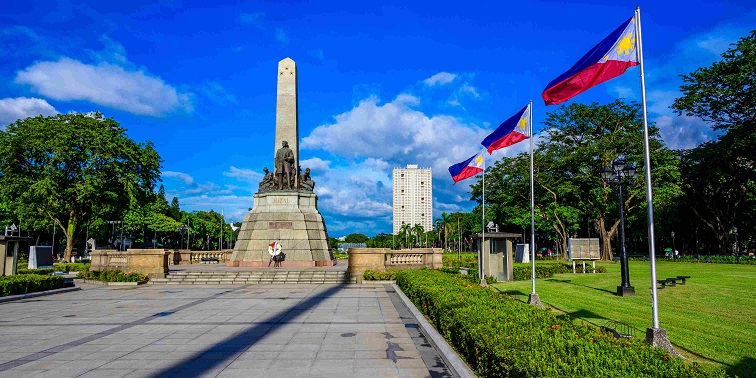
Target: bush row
(70, 267)
(29, 283)
(40, 271)
(522, 272)
(501, 337)
(372, 275)
(110, 275)
(713, 259)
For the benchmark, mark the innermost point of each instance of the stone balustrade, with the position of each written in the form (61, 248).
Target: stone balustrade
(151, 262)
(383, 259)
(185, 256)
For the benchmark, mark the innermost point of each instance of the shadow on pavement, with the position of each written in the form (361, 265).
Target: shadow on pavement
(221, 354)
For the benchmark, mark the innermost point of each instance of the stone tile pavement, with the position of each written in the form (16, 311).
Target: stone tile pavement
(295, 330)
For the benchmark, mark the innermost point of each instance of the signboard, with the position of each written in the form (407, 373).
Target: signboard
(584, 248)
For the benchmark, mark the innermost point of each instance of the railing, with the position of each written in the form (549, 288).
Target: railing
(404, 259)
(383, 259)
(184, 257)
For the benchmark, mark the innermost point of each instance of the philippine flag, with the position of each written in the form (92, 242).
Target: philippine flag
(511, 131)
(467, 168)
(607, 60)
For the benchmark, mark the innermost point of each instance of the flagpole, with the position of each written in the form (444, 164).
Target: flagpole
(656, 336)
(533, 298)
(483, 243)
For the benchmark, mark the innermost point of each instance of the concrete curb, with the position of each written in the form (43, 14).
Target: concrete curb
(11, 298)
(105, 283)
(449, 355)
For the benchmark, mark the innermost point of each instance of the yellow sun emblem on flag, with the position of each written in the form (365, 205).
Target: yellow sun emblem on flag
(626, 44)
(479, 160)
(523, 124)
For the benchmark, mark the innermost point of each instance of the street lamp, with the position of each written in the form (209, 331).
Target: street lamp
(618, 174)
(183, 228)
(735, 233)
(674, 249)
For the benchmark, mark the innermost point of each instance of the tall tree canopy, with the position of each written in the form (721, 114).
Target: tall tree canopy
(70, 168)
(720, 176)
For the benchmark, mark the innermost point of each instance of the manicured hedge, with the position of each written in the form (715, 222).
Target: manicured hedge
(711, 259)
(467, 261)
(29, 283)
(522, 272)
(70, 267)
(110, 275)
(40, 271)
(372, 275)
(501, 337)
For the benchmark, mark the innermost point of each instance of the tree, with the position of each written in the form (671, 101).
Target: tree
(356, 238)
(418, 230)
(719, 176)
(404, 230)
(174, 211)
(73, 167)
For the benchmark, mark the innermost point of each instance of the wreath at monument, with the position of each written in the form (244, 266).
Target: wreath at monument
(274, 249)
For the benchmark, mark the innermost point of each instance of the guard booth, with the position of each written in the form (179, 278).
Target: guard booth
(9, 247)
(496, 256)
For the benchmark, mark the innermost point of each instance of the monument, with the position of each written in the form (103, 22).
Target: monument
(285, 209)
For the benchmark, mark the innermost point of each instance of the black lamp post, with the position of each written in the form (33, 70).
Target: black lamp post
(618, 174)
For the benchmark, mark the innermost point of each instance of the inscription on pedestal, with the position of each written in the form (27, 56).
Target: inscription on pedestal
(280, 225)
(281, 200)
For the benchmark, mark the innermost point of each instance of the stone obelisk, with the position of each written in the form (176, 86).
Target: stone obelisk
(287, 123)
(286, 214)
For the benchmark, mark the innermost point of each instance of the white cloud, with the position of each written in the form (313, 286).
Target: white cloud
(244, 174)
(12, 109)
(315, 164)
(683, 132)
(440, 78)
(187, 179)
(281, 36)
(466, 88)
(398, 135)
(217, 93)
(106, 84)
(255, 19)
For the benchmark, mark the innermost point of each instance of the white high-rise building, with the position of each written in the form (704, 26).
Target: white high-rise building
(413, 197)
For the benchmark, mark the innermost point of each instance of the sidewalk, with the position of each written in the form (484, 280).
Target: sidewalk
(303, 330)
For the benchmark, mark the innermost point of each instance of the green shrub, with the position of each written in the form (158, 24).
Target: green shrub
(467, 261)
(522, 272)
(710, 259)
(501, 337)
(40, 271)
(372, 275)
(70, 267)
(29, 283)
(110, 276)
(444, 269)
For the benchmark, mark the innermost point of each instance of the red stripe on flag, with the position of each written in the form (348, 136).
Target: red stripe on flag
(467, 172)
(591, 76)
(512, 138)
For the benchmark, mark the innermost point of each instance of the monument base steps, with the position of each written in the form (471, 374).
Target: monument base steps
(249, 278)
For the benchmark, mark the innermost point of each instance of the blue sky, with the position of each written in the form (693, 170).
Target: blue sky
(381, 85)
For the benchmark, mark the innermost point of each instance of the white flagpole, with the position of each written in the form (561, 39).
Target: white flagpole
(655, 336)
(533, 298)
(222, 222)
(647, 160)
(483, 244)
(532, 204)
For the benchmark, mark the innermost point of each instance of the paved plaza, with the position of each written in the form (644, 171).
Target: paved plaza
(292, 330)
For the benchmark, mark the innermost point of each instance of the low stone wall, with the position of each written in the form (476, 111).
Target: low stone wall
(383, 259)
(151, 262)
(186, 257)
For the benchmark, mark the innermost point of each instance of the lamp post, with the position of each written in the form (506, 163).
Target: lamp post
(674, 249)
(618, 174)
(183, 228)
(735, 233)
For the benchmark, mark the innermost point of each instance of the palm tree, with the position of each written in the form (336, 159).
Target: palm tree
(405, 229)
(446, 220)
(418, 230)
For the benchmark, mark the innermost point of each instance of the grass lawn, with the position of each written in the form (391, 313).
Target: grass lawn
(711, 319)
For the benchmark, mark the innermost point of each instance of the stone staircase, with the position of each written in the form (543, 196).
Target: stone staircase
(254, 277)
